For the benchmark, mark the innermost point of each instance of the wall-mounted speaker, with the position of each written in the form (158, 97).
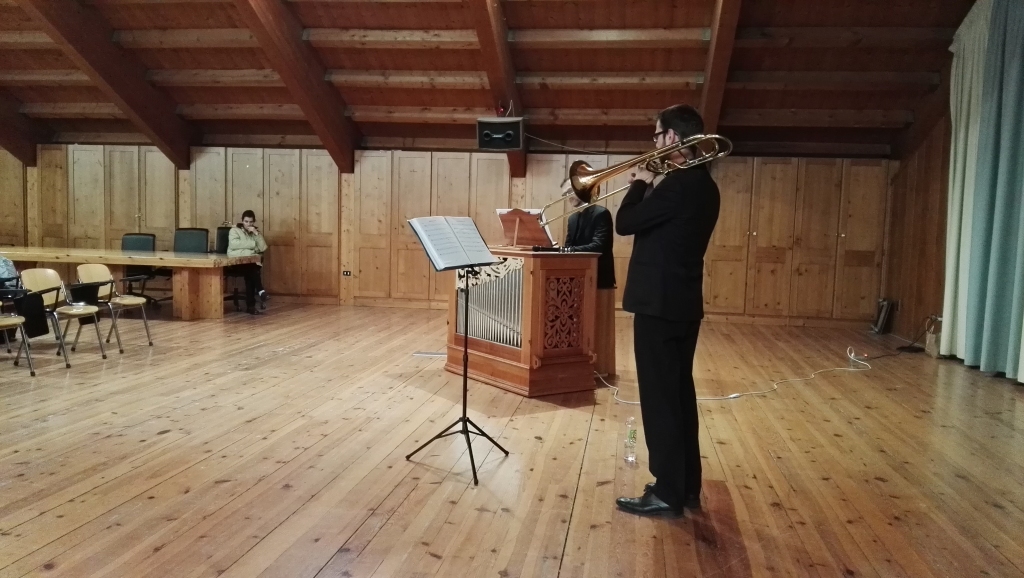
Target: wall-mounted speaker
(499, 133)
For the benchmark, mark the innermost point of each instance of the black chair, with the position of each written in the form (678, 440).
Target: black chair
(142, 242)
(191, 241)
(221, 247)
(10, 289)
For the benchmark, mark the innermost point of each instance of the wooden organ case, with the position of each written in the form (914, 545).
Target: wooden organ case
(531, 322)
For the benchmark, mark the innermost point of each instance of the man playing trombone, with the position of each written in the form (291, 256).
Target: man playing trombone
(671, 225)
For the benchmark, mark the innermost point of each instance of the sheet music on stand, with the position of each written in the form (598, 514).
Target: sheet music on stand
(452, 242)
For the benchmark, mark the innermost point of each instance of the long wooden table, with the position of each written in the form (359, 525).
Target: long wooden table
(197, 278)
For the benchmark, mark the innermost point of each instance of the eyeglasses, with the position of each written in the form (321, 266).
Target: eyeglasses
(659, 133)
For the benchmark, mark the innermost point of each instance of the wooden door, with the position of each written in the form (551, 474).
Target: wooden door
(53, 195)
(622, 247)
(370, 216)
(86, 192)
(450, 196)
(410, 198)
(208, 187)
(725, 264)
(318, 240)
(819, 188)
(280, 221)
(12, 199)
(770, 259)
(245, 186)
(861, 233)
(124, 214)
(158, 200)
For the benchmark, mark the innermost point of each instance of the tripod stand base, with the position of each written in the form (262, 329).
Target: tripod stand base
(465, 422)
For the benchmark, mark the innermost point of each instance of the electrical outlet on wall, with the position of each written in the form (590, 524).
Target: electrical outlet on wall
(346, 273)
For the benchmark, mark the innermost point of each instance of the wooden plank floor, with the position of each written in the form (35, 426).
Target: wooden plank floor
(275, 447)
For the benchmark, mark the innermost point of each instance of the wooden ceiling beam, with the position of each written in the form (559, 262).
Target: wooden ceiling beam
(591, 117)
(102, 110)
(843, 37)
(214, 78)
(26, 40)
(398, 39)
(605, 38)
(613, 81)
(830, 149)
(927, 114)
(20, 134)
(818, 118)
(493, 35)
(723, 36)
(242, 112)
(44, 78)
(84, 37)
(281, 35)
(185, 39)
(408, 79)
(123, 138)
(845, 81)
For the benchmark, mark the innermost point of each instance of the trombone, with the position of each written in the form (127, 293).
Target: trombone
(584, 179)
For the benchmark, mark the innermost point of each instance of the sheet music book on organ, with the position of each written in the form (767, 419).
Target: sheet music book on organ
(452, 242)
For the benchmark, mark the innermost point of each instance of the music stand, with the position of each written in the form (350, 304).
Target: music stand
(465, 422)
(523, 228)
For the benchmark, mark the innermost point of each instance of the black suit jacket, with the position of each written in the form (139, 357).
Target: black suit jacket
(671, 229)
(591, 230)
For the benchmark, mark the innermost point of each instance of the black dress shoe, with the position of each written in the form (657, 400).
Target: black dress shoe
(691, 502)
(648, 505)
(253, 311)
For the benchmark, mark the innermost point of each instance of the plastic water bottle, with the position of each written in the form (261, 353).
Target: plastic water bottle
(630, 444)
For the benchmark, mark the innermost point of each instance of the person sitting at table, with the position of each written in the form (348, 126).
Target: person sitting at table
(7, 271)
(244, 240)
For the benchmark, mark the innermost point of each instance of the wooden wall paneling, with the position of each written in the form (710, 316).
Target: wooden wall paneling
(318, 225)
(280, 221)
(347, 238)
(186, 198)
(209, 177)
(544, 174)
(371, 221)
(158, 194)
(33, 224)
(725, 264)
(816, 232)
(245, 185)
(52, 202)
(861, 235)
(450, 196)
(490, 190)
(622, 247)
(86, 191)
(124, 213)
(12, 200)
(771, 247)
(410, 198)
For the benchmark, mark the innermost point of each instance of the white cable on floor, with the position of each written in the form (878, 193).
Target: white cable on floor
(850, 354)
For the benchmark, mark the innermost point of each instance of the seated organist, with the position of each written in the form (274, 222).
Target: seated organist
(591, 230)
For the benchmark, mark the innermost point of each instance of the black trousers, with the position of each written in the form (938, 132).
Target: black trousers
(668, 403)
(252, 273)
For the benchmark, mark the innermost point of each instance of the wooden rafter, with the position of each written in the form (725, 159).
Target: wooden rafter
(842, 37)
(610, 38)
(492, 32)
(18, 133)
(281, 35)
(818, 118)
(716, 72)
(928, 113)
(84, 36)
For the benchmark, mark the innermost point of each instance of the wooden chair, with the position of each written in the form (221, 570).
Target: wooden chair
(48, 284)
(115, 302)
(17, 322)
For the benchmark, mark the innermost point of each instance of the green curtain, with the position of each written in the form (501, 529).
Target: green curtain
(988, 317)
(967, 75)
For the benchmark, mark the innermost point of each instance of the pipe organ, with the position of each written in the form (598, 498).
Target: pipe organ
(531, 322)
